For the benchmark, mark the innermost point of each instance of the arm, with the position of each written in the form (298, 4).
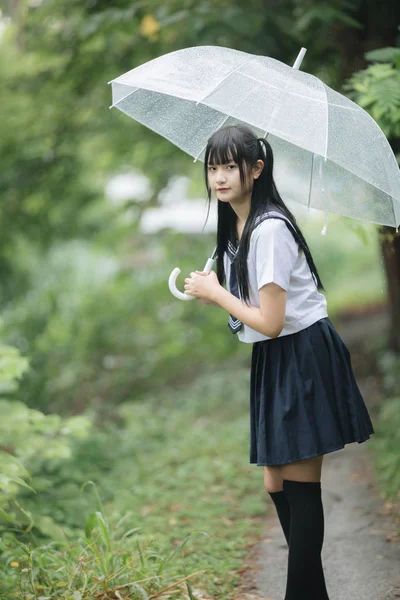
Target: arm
(268, 319)
(208, 302)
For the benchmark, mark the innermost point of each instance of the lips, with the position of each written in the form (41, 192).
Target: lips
(222, 189)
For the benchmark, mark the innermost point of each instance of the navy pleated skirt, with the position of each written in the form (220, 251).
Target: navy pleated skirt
(304, 400)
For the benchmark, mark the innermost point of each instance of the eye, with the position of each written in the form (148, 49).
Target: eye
(211, 168)
(233, 166)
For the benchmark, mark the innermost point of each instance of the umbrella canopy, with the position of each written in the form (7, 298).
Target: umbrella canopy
(329, 153)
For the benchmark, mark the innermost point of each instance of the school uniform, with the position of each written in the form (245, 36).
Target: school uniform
(304, 400)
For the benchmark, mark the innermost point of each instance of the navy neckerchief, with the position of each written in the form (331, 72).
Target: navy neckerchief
(236, 325)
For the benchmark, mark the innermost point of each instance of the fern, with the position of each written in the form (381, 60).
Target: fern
(377, 90)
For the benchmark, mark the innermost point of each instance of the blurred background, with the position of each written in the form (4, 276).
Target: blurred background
(104, 376)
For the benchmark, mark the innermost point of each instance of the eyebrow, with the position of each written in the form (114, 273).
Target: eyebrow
(210, 164)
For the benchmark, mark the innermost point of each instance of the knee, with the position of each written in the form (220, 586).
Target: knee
(273, 481)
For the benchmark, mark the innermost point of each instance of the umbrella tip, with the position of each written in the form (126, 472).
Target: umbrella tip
(325, 227)
(299, 58)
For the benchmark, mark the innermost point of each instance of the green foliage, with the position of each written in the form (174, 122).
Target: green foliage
(173, 495)
(377, 89)
(348, 261)
(27, 436)
(103, 334)
(13, 474)
(107, 559)
(386, 442)
(385, 55)
(30, 438)
(12, 367)
(102, 329)
(386, 445)
(60, 142)
(28, 433)
(389, 363)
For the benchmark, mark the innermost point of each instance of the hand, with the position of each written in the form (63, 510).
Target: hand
(202, 285)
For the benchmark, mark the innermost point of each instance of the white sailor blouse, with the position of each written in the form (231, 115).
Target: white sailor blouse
(275, 255)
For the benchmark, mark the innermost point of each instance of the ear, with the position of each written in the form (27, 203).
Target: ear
(257, 169)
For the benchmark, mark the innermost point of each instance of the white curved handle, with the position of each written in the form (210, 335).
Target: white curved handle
(172, 279)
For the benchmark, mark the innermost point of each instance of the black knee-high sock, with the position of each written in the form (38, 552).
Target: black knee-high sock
(283, 510)
(305, 575)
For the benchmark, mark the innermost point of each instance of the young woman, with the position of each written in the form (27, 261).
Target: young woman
(304, 400)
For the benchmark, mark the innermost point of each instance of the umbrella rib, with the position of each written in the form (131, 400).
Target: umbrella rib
(290, 92)
(143, 87)
(227, 117)
(205, 145)
(226, 77)
(125, 97)
(311, 176)
(327, 115)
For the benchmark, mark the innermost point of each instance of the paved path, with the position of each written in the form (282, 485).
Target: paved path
(359, 562)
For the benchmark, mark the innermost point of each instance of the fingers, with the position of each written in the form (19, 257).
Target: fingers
(194, 274)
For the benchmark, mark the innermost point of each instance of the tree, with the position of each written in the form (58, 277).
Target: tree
(377, 89)
(59, 141)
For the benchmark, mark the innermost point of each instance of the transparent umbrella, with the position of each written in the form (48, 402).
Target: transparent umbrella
(329, 153)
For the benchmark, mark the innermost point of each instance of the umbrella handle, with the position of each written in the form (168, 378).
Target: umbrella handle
(174, 275)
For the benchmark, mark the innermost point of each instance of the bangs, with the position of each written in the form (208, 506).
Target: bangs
(232, 143)
(221, 154)
(222, 148)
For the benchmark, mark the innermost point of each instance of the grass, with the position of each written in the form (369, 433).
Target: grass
(185, 501)
(178, 496)
(192, 474)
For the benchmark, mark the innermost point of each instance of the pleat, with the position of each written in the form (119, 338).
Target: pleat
(304, 399)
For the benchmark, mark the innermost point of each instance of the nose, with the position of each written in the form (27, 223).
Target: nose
(221, 178)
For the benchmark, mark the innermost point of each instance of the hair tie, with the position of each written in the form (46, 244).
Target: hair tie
(263, 149)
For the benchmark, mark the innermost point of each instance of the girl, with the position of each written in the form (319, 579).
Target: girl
(304, 400)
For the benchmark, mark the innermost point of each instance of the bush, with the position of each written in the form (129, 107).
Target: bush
(28, 437)
(101, 330)
(386, 442)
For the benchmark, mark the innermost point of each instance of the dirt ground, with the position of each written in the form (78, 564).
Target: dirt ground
(361, 553)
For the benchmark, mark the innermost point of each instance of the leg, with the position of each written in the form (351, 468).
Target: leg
(274, 485)
(303, 470)
(302, 485)
(273, 480)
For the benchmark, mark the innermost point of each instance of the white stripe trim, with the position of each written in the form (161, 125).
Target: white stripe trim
(233, 321)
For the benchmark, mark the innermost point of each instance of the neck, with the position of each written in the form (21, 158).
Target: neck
(242, 209)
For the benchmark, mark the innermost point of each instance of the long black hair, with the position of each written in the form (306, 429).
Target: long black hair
(239, 144)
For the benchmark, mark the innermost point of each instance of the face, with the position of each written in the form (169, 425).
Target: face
(224, 181)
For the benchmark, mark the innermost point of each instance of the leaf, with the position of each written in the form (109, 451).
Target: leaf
(9, 517)
(49, 527)
(90, 524)
(104, 529)
(387, 54)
